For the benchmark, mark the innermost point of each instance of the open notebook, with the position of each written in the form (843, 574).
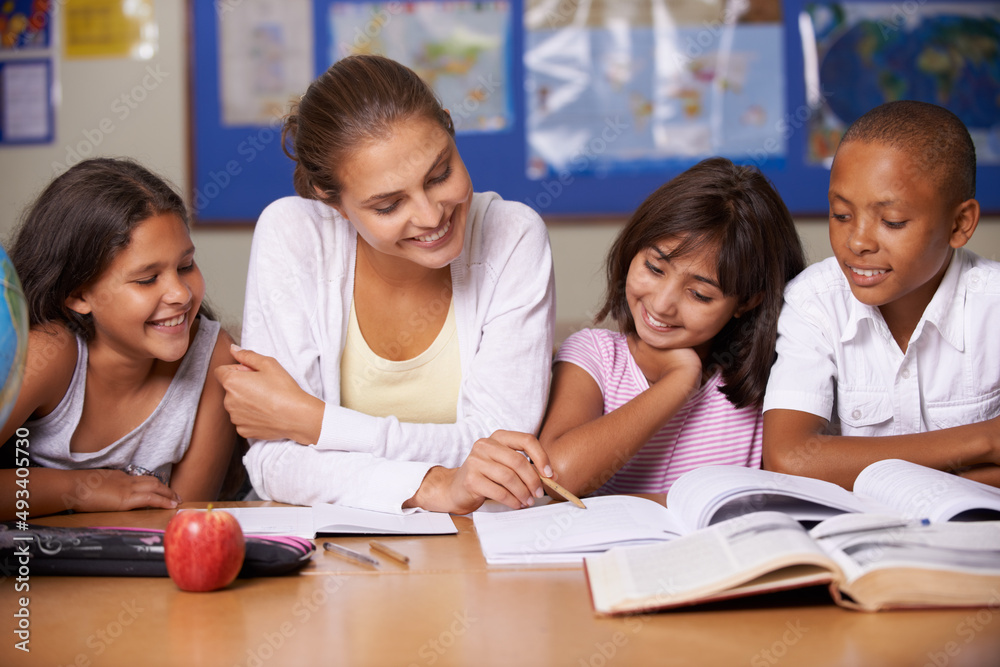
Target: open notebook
(331, 519)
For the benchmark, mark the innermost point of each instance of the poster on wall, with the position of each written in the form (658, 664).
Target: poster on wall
(265, 59)
(460, 48)
(859, 55)
(25, 24)
(27, 67)
(110, 29)
(642, 86)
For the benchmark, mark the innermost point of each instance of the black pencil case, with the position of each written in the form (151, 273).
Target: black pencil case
(128, 552)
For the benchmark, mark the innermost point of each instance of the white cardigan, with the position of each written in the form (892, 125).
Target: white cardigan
(299, 290)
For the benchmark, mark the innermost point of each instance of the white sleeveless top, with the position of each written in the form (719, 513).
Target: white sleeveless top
(423, 389)
(156, 444)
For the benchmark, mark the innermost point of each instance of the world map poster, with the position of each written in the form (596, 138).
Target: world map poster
(636, 87)
(865, 54)
(460, 48)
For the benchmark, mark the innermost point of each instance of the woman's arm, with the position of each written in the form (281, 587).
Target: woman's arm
(587, 446)
(199, 474)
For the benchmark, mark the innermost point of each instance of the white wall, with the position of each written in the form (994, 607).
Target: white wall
(154, 130)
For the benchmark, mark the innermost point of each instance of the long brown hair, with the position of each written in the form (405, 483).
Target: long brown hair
(735, 210)
(77, 226)
(356, 101)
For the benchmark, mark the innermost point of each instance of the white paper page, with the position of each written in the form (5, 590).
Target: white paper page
(972, 546)
(728, 552)
(330, 518)
(295, 521)
(562, 532)
(918, 491)
(326, 518)
(697, 496)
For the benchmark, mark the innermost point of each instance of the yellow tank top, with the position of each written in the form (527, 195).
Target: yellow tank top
(423, 389)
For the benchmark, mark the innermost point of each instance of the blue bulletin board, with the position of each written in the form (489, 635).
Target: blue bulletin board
(582, 109)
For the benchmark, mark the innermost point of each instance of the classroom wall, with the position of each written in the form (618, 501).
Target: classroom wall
(139, 109)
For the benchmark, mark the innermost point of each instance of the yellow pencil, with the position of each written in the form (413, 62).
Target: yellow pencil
(558, 488)
(389, 551)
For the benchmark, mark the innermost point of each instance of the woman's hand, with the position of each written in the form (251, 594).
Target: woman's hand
(266, 403)
(495, 469)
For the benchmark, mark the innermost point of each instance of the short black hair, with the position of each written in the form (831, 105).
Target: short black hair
(935, 138)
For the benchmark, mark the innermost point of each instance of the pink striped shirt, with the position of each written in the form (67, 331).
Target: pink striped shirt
(707, 430)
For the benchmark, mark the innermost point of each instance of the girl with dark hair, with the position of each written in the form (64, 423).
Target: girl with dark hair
(397, 320)
(118, 401)
(695, 284)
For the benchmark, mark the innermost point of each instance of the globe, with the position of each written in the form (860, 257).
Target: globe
(13, 335)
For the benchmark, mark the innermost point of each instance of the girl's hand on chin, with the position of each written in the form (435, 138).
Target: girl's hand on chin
(679, 364)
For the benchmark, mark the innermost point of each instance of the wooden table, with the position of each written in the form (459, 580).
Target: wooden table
(449, 608)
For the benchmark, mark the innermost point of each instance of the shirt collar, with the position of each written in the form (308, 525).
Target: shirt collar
(859, 313)
(946, 310)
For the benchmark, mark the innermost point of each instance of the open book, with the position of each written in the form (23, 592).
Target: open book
(336, 519)
(870, 562)
(561, 533)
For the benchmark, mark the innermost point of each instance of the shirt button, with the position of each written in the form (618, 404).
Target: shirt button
(905, 374)
(856, 414)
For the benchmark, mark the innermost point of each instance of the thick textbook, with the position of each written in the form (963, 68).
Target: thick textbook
(869, 562)
(562, 533)
(327, 518)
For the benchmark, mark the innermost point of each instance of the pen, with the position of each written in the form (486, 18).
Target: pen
(389, 551)
(558, 488)
(350, 554)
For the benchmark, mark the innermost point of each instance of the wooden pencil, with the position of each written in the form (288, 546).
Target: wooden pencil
(388, 551)
(558, 488)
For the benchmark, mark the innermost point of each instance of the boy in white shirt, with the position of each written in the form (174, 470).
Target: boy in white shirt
(891, 348)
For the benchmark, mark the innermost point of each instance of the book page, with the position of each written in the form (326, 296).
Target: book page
(297, 521)
(968, 547)
(702, 564)
(918, 491)
(715, 493)
(327, 518)
(562, 532)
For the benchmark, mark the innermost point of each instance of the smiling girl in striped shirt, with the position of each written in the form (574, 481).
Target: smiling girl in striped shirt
(695, 283)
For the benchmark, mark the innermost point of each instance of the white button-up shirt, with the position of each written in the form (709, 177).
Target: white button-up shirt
(837, 358)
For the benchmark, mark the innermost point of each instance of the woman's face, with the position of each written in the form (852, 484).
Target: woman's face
(408, 194)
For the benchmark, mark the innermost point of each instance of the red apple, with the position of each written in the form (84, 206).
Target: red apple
(204, 550)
